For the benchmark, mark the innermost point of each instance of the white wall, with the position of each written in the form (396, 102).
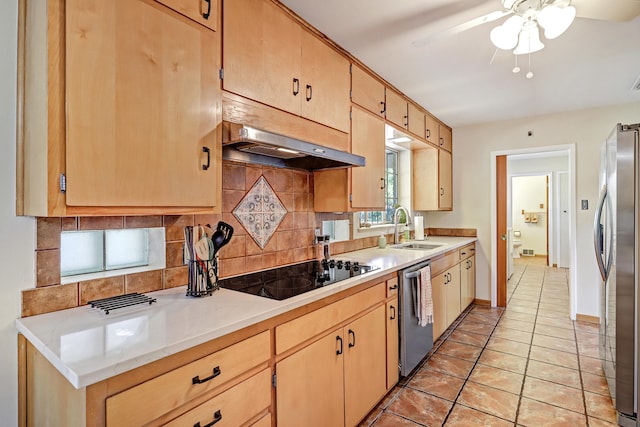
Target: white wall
(527, 192)
(17, 234)
(587, 129)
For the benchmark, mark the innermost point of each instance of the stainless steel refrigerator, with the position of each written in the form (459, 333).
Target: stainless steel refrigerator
(616, 244)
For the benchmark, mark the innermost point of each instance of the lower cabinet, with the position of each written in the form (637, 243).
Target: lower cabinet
(446, 299)
(393, 370)
(467, 281)
(337, 379)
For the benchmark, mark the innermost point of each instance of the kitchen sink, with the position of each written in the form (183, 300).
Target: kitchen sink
(418, 246)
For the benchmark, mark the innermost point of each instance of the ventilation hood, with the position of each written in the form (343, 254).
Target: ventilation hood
(249, 145)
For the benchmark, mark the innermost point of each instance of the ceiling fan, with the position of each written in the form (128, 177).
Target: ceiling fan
(523, 11)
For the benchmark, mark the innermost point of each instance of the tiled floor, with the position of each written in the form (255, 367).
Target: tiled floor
(527, 365)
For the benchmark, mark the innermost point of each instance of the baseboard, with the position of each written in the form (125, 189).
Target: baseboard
(588, 319)
(484, 302)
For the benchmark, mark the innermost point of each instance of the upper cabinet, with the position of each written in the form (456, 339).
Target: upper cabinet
(270, 58)
(367, 91)
(396, 109)
(127, 118)
(432, 129)
(415, 120)
(445, 137)
(204, 12)
(432, 179)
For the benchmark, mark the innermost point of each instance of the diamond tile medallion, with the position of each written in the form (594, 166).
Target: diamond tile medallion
(260, 212)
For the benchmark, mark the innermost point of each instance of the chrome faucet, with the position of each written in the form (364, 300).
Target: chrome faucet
(395, 222)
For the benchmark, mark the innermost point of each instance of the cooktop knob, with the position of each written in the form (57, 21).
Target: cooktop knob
(339, 264)
(332, 263)
(347, 265)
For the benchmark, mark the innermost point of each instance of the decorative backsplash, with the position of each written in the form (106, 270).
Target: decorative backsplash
(260, 212)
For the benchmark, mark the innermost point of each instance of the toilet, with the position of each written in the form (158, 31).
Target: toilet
(517, 243)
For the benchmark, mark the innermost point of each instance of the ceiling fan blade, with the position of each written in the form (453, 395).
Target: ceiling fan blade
(610, 10)
(489, 17)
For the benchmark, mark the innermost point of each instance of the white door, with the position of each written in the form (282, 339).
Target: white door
(563, 224)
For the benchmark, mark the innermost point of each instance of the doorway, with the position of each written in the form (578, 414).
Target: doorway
(533, 158)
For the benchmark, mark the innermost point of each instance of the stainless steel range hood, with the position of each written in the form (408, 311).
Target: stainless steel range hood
(249, 145)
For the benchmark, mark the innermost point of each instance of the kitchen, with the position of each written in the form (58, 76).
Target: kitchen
(472, 201)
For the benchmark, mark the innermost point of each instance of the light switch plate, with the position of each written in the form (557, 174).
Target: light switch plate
(585, 205)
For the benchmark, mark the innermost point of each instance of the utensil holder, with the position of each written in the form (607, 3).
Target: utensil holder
(203, 277)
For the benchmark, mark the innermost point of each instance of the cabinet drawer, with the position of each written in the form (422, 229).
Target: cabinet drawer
(467, 251)
(204, 12)
(151, 399)
(444, 262)
(392, 287)
(234, 407)
(292, 333)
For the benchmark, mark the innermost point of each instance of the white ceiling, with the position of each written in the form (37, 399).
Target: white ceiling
(594, 63)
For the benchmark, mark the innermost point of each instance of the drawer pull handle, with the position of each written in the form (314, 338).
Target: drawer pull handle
(393, 316)
(352, 334)
(384, 107)
(216, 417)
(296, 86)
(339, 338)
(206, 14)
(197, 380)
(208, 151)
(428, 133)
(394, 287)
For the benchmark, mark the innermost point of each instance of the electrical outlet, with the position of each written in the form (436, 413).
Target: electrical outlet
(585, 205)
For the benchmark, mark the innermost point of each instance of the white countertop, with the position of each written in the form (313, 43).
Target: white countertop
(87, 346)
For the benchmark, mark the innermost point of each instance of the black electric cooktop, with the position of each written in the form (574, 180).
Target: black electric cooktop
(285, 282)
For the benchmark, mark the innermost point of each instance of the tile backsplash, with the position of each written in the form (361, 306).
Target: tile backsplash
(290, 242)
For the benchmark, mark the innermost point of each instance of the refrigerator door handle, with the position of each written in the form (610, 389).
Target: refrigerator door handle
(598, 235)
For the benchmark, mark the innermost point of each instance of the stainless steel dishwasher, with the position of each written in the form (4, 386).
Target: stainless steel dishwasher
(415, 340)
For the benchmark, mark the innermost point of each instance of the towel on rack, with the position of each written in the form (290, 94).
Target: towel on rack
(425, 313)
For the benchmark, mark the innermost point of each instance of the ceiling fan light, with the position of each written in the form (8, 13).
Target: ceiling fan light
(555, 20)
(529, 40)
(503, 38)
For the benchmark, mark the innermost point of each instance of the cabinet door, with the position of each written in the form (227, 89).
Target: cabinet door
(445, 137)
(325, 84)
(432, 132)
(203, 11)
(452, 290)
(444, 172)
(439, 297)
(262, 54)
(396, 108)
(425, 179)
(468, 281)
(367, 139)
(142, 103)
(310, 389)
(415, 120)
(393, 372)
(367, 92)
(364, 365)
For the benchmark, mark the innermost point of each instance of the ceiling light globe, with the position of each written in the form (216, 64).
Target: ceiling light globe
(555, 20)
(503, 38)
(516, 69)
(529, 75)
(529, 40)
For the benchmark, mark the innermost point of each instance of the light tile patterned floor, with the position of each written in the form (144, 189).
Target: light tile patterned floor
(527, 365)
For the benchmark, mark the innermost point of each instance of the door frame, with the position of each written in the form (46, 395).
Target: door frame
(570, 150)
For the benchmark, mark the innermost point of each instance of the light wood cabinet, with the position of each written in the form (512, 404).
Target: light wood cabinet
(439, 298)
(452, 289)
(393, 371)
(396, 108)
(445, 140)
(432, 129)
(337, 379)
(367, 91)
(415, 120)
(270, 58)
(425, 186)
(204, 12)
(446, 291)
(467, 276)
(135, 134)
(358, 188)
(150, 400)
(445, 201)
